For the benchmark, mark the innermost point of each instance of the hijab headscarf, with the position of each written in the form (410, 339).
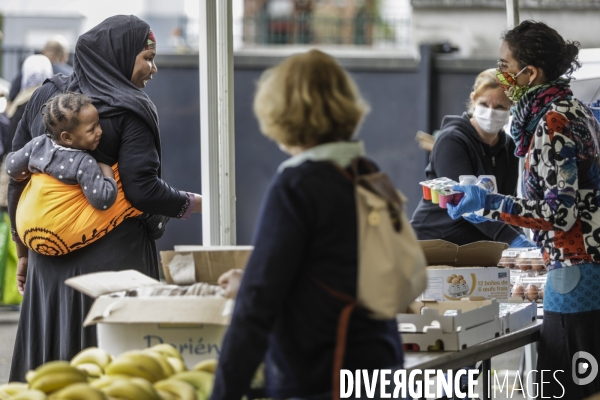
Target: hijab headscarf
(36, 69)
(103, 65)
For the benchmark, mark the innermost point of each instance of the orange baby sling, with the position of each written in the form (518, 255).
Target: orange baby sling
(54, 218)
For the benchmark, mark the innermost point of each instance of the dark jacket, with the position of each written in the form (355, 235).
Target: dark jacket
(307, 230)
(459, 150)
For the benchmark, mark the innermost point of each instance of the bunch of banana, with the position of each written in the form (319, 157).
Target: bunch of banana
(78, 391)
(130, 389)
(93, 361)
(174, 389)
(12, 389)
(170, 354)
(137, 364)
(202, 382)
(30, 394)
(54, 376)
(206, 365)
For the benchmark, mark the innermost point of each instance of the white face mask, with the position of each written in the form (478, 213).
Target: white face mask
(489, 120)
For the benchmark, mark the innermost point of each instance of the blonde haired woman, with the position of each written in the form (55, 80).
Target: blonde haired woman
(473, 143)
(306, 235)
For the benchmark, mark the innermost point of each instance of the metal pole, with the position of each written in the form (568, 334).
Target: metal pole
(216, 123)
(512, 13)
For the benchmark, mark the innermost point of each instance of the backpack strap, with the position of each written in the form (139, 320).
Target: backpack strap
(341, 335)
(364, 173)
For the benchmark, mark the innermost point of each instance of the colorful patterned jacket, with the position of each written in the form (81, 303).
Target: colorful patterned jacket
(561, 187)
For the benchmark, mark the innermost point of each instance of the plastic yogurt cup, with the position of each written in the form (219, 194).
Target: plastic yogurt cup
(426, 193)
(487, 184)
(435, 196)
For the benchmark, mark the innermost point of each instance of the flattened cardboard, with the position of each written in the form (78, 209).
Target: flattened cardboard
(100, 283)
(210, 262)
(477, 254)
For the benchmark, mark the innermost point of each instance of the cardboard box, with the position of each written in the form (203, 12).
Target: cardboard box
(477, 254)
(190, 264)
(475, 265)
(194, 325)
(487, 282)
(432, 325)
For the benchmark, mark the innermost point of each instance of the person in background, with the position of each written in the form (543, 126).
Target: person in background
(306, 237)
(57, 51)
(473, 143)
(559, 138)
(113, 62)
(35, 70)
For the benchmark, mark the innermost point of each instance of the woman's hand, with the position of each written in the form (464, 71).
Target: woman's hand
(230, 282)
(106, 170)
(473, 200)
(21, 274)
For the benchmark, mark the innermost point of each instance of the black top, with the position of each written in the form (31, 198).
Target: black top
(459, 150)
(307, 229)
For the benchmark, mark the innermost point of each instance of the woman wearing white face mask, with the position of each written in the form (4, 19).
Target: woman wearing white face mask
(473, 144)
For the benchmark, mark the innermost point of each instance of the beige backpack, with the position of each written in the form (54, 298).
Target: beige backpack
(391, 264)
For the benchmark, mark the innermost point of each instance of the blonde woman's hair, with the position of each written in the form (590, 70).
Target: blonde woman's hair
(307, 100)
(484, 81)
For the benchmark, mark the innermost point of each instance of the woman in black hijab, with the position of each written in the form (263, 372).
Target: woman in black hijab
(112, 62)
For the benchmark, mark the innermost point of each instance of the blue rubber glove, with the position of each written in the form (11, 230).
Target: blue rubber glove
(476, 219)
(474, 200)
(521, 241)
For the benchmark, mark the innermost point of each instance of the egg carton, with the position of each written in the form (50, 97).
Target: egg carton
(516, 315)
(449, 317)
(435, 339)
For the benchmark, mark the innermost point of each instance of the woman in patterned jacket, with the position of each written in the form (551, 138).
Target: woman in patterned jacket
(558, 137)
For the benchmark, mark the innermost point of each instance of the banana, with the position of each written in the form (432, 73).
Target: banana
(206, 365)
(91, 370)
(143, 367)
(167, 349)
(258, 381)
(147, 386)
(92, 355)
(13, 388)
(162, 360)
(78, 391)
(124, 389)
(177, 364)
(30, 394)
(106, 380)
(180, 389)
(29, 375)
(202, 381)
(139, 364)
(53, 367)
(51, 382)
(4, 395)
(164, 395)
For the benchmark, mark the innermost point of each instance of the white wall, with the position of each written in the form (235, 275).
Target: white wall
(477, 32)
